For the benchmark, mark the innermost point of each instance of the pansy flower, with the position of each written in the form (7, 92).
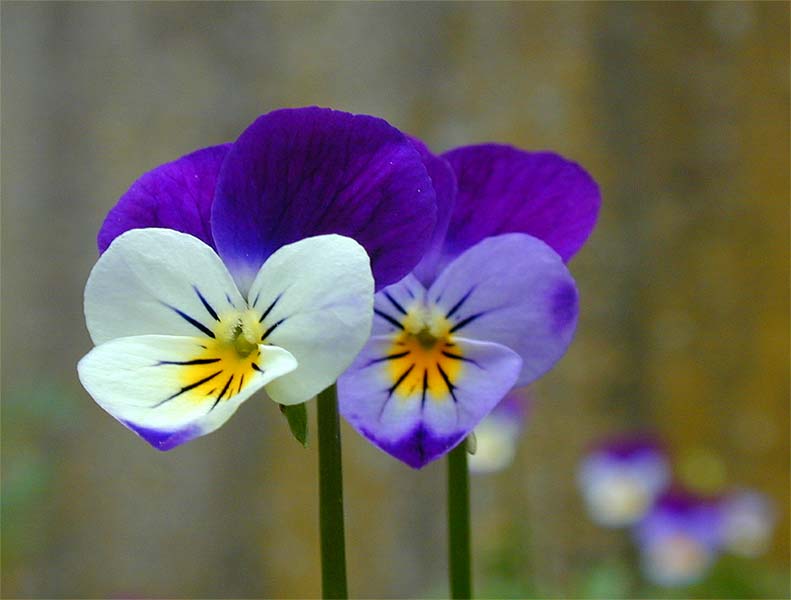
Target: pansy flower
(496, 436)
(491, 306)
(620, 478)
(749, 519)
(679, 538)
(250, 265)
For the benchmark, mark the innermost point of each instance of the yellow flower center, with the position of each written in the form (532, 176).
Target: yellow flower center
(241, 330)
(222, 365)
(423, 357)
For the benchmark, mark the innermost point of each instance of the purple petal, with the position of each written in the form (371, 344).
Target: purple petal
(514, 290)
(679, 539)
(165, 440)
(415, 411)
(177, 195)
(629, 446)
(502, 189)
(678, 512)
(444, 182)
(418, 447)
(394, 302)
(297, 173)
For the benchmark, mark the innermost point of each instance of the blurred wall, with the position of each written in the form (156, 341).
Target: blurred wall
(680, 110)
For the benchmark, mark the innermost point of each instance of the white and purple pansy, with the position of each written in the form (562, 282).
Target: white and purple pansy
(491, 306)
(679, 538)
(250, 265)
(620, 478)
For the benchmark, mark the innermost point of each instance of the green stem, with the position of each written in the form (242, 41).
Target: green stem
(459, 523)
(333, 545)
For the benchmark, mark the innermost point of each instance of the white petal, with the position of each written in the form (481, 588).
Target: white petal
(316, 299)
(496, 439)
(157, 281)
(143, 382)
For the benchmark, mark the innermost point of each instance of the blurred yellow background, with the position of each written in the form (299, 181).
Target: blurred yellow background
(679, 110)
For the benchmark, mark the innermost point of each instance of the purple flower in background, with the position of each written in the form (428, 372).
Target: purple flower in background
(748, 521)
(496, 436)
(230, 269)
(619, 479)
(679, 539)
(491, 306)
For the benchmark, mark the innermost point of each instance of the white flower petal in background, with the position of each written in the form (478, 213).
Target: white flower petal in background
(619, 479)
(748, 522)
(497, 436)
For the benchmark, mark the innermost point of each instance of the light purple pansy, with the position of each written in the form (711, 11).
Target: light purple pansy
(250, 265)
(620, 478)
(749, 518)
(491, 306)
(679, 538)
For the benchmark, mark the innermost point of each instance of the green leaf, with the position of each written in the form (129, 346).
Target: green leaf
(297, 416)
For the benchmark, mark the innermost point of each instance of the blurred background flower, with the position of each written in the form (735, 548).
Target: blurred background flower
(679, 110)
(497, 436)
(748, 522)
(620, 479)
(679, 538)
(679, 533)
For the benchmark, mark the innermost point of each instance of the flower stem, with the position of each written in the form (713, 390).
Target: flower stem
(459, 523)
(333, 545)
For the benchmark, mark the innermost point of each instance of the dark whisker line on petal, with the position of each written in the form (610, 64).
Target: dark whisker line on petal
(274, 326)
(393, 356)
(206, 304)
(395, 303)
(257, 368)
(388, 318)
(211, 391)
(425, 389)
(241, 383)
(465, 322)
(451, 387)
(400, 380)
(269, 308)
(185, 363)
(460, 303)
(222, 393)
(197, 324)
(189, 387)
(257, 297)
(458, 357)
(384, 407)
